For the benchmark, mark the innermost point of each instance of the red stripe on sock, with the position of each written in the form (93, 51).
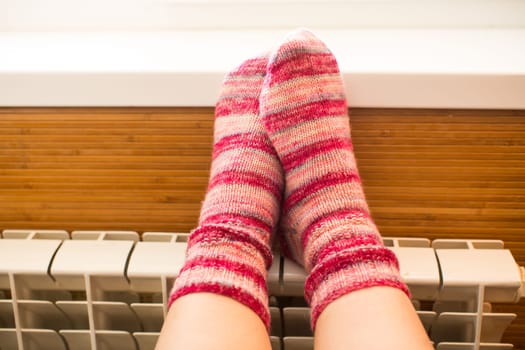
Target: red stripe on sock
(250, 67)
(228, 291)
(215, 233)
(363, 239)
(311, 150)
(285, 119)
(322, 270)
(317, 185)
(313, 63)
(245, 177)
(342, 214)
(236, 104)
(243, 140)
(243, 270)
(236, 219)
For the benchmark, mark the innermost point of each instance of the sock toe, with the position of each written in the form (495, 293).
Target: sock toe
(303, 81)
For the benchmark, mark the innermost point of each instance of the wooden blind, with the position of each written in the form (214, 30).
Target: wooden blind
(427, 173)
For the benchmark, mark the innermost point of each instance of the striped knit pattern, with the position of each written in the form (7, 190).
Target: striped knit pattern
(229, 252)
(325, 216)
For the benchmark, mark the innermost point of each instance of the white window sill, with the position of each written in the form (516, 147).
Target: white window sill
(382, 68)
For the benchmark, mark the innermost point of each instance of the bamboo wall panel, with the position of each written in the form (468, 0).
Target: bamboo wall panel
(427, 173)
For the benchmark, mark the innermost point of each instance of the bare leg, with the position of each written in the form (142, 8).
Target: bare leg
(204, 321)
(372, 318)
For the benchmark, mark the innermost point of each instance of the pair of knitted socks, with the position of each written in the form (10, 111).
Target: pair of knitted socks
(283, 163)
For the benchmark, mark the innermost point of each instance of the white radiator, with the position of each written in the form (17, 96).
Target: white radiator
(108, 290)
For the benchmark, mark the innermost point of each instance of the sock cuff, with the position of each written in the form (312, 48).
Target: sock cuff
(217, 275)
(342, 274)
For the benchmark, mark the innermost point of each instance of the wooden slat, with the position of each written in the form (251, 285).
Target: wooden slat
(427, 173)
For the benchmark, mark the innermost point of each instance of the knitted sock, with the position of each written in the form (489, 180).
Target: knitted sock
(325, 217)
(229, 252)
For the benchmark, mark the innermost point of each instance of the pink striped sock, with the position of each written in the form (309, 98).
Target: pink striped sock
(229, 252)
(325, 216)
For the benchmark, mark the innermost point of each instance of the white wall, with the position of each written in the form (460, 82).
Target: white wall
(125, 15)
(393, 53)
